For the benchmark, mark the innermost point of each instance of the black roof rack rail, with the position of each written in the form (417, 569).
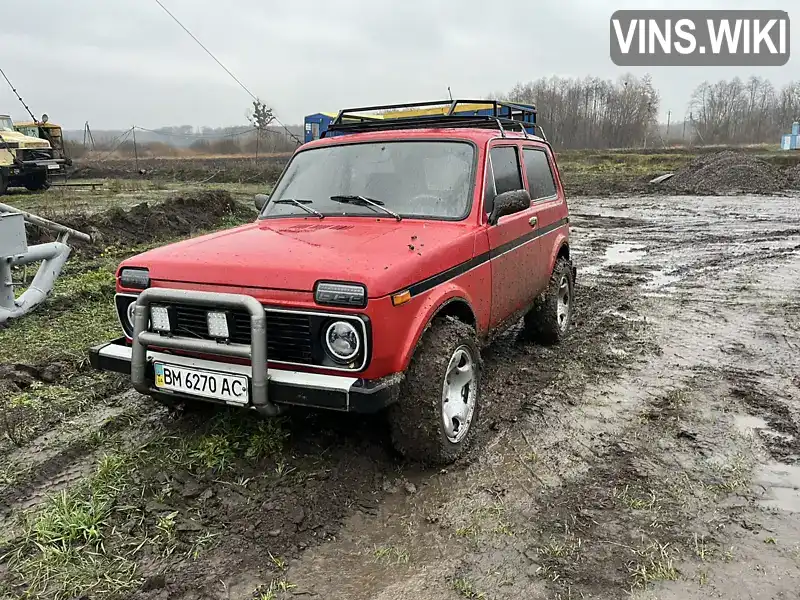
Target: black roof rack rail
(501, 115)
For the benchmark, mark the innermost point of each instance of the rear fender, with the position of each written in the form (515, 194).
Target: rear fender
(561, 244)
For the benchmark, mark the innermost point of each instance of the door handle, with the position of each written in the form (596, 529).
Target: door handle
(533, 221)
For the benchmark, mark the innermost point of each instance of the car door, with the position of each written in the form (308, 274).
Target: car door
(512, 244)
(546, 206)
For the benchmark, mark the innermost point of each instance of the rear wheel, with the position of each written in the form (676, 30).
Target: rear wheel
(3, 183)
(434, 421)
(37, 182)
(549, 320)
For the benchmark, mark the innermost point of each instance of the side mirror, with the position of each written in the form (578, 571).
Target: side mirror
(509, 203)
(260, 201)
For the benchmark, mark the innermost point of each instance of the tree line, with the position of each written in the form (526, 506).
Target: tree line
(597, 113)
(575, 113)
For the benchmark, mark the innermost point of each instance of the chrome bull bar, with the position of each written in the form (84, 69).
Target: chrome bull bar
(255, 352)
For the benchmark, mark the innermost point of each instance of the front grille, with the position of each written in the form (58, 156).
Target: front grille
(31, 154)
(289, 336)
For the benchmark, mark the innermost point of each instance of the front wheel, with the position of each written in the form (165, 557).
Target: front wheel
(37, 182)
(549, 320)
(434, 421)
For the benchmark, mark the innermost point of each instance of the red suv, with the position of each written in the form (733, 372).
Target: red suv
(387, 255)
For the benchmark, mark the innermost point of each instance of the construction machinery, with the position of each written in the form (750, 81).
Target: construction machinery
(15, 252)
(45, 130)
(26, 161)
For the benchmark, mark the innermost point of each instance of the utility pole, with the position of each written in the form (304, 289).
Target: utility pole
(135, 151)
(87, 135)
(669, 116)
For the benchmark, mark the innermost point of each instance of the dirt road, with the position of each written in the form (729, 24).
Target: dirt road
(655, 454)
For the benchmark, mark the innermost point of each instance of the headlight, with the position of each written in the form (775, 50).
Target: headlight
(131, 312)
(340, 294)
(342, 341)
(134, 278)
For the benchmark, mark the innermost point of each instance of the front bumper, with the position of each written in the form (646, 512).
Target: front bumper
(331, 392)
(51, 165)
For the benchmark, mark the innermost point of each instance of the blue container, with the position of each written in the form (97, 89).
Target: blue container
(795, 143)
(796, 128)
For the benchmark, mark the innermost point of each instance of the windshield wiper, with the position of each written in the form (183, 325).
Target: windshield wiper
(301, 204)
(361, 200)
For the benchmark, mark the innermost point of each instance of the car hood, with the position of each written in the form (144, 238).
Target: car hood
(24, 141)
(293, 254)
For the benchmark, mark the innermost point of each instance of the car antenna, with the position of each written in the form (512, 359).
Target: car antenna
(450, 93)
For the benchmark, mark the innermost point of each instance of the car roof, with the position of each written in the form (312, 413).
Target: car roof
(477, 136)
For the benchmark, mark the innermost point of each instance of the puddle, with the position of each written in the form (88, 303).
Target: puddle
(616, 254)
(781, 483)
(748, 423)
(660, 279)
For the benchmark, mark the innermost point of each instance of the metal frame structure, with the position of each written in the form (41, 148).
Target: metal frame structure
(14, 251)
(255, 352)
(503, 116)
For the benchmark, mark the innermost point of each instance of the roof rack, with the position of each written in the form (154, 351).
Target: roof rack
(476, 114)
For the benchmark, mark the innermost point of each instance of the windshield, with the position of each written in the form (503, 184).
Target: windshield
(6, 124)
(29, 131)
(411, 179)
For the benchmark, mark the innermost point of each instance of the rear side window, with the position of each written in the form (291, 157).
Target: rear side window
(505, 165)
(540, 177)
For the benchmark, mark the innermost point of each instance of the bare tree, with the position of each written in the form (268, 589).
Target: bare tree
(260, 118)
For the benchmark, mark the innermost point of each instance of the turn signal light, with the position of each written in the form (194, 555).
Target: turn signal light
(401, 298)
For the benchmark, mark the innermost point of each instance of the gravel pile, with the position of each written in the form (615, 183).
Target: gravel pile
(728, 172)
(793, 174)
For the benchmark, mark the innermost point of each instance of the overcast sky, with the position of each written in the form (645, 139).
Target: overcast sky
(117, 63)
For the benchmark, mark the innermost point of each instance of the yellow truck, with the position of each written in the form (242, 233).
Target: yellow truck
(45, 130)
(26, 161)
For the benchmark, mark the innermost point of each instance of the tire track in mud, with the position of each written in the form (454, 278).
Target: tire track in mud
(63, 456)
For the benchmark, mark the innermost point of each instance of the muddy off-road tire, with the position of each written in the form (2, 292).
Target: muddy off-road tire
(37, 182)
(3, 183)
(549, 320)
(429, 398)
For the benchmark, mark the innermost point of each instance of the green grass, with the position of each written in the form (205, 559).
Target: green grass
(41, 338)
(60, 550)
(70, 546)
(466, 589)
(391, 554)
(655, 562)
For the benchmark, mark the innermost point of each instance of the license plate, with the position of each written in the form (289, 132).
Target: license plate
(232, 389)
(52, 167)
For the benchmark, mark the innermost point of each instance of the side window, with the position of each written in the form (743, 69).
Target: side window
(505, 165)
(315, 131)
(540, 177)
(489, 191)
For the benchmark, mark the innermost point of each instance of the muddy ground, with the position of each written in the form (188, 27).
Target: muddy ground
(652, 455)
(209, 170)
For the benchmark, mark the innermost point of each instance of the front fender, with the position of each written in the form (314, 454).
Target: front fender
(431, 305)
